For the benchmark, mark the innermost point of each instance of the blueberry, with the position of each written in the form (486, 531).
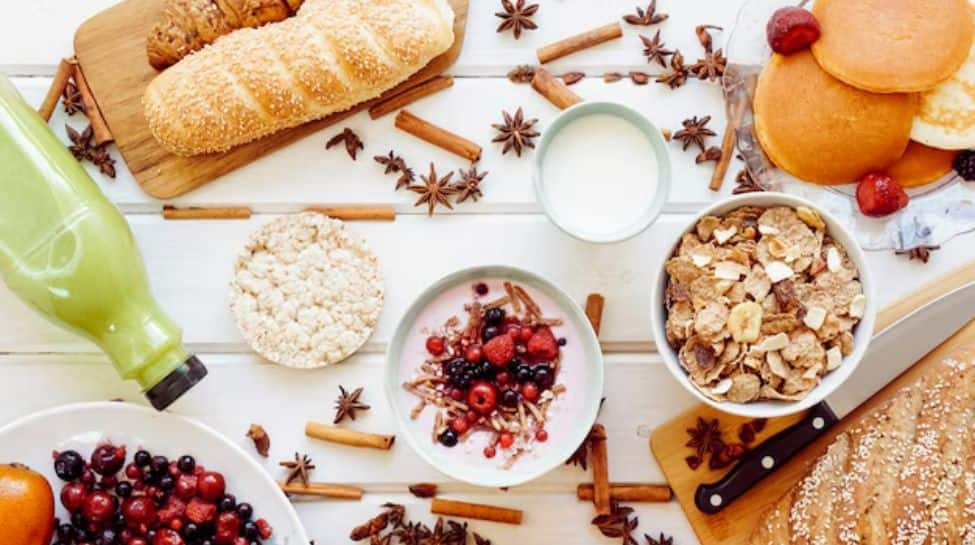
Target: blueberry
(69, 465)
(493, 316)
(245, 511)
(489, 333)
(523, 373)
(142, 458)
(166, 482)
(514, 364)
(543, 377)
(510, 398)
(250, 530)
(108, 536)
(228, 503)
(448, 438)
(186, 464)
(191, 531)
(159, 464)
(123, 489)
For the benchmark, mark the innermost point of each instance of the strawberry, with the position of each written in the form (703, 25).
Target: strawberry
(499, 350)
(543, 346)
(879, 195)
(791, 29)
(200, 511)
(227, 528)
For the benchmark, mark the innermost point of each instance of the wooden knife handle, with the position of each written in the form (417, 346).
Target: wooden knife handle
(764, 459)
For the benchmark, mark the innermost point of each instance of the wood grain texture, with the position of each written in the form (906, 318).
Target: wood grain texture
(735, 524)
(111, 50)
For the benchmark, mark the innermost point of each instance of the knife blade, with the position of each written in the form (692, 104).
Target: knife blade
(891, 352)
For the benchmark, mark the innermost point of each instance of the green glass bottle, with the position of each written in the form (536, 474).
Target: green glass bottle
(69, 253)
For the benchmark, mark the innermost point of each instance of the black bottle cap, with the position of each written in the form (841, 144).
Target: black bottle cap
(177, 383)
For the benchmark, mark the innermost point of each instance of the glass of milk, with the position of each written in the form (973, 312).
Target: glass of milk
(602, 172)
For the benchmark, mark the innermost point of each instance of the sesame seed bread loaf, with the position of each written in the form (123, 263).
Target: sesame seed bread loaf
(329, 57)
(905, 474)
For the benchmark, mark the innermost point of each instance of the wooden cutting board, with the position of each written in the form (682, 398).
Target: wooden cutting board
(111, 49)
(735, 524)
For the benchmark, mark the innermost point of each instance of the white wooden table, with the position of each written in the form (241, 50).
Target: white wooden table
(190, 262)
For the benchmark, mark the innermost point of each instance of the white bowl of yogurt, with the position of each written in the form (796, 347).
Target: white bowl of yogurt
(568, 403)
(602, 172)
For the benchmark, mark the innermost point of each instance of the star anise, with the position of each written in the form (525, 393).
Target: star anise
(726, 455)
(352, 142)
(705, 437)
(446, 533)
(300, 468)
(480, 540)
(412, 533)
(581, 456)
(677, 75)
(711, 67)
(516, 132)
(71, 98)
(348, 403)
(523, 73)
(469, 186)
(83, 147)
(434, 190)
(393, 513)
(662, 540)
(516, 17)
(744, 183)
(921, 253)
(377, 539)
(704, 36)
(618, 523)
(648, 17)
(393, 163)
(695, 132)
(655, 50)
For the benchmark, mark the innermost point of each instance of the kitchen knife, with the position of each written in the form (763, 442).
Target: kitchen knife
(891, 352)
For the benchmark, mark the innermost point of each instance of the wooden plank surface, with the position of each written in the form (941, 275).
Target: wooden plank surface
(734, 524)
(111, 51)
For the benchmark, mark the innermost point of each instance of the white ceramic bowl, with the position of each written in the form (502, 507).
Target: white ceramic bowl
(831, 381)
(653, 207)
(577, 415)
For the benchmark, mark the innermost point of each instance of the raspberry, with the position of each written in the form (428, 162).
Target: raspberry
(173, 508)
(199, 511)
(543, 346)
(964, 165)
(879, 195)
(499, 350)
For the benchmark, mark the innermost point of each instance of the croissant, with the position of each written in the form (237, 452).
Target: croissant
(329, 57)
(188, 25)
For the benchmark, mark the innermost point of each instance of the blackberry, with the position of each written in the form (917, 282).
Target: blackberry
(964, 165)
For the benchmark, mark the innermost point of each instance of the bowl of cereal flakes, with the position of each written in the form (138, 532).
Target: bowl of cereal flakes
(765, 306)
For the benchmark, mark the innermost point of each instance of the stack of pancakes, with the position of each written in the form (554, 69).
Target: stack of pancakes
(888, 87)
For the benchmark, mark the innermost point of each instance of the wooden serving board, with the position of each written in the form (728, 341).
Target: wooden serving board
(111, 49)
(734, 525)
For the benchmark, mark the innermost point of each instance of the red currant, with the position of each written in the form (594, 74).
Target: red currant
(503, 377)
(471, 417)
(435, 345)
(459, 425)
(530, 391)
(541, 435)
(483, 397)
(474, 353)
(506, 439)
(490, 452)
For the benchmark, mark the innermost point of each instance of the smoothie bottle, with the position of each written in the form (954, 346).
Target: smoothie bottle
(68, 252)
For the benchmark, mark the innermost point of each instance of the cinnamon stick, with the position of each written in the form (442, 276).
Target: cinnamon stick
(553, 89)
(99, 127)
(579, 42)
(442, 138)
(377, 213)
(323, 490)
(594, 310)
(727, 147)
(477, 511)
(628, 492)
(54, 93)
(600, 470)
(409, 96)
(206, 213)
(345, 436)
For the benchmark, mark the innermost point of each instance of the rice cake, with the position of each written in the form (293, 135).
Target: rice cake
(893, 46)
(821, 130)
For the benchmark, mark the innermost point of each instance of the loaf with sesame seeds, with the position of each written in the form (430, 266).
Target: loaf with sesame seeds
(332, 55)
(186, 26)
(904, 475)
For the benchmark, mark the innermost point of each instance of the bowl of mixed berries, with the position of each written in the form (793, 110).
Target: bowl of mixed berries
(495, 376)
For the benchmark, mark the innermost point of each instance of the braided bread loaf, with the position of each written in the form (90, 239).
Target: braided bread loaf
(188, 25)
(329, 57)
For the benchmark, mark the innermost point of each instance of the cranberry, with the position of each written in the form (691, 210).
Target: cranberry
(166, 536)
(459, 425)
(73, 496)
(227, 528)
(185, 487)
(133, 471)
(541, 435)
(505, 439)
(435, 345)
(138, 511)
(474, 353)
(530, 391)
(483, 397)
(490, 452)
(99, 506)
(108, 481)
(108, 459)
(211, 486)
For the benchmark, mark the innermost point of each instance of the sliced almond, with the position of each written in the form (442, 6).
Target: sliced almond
(833, 260)
(775, 342)
(778, 271)
(700, 260)
(722, 387)
(767, 229)
(811, 218)
(724, 235)
(814, 318)
(858, 305)
(834, 357)
(729, 270)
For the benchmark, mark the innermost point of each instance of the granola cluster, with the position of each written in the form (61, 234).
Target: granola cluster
(761, 304)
